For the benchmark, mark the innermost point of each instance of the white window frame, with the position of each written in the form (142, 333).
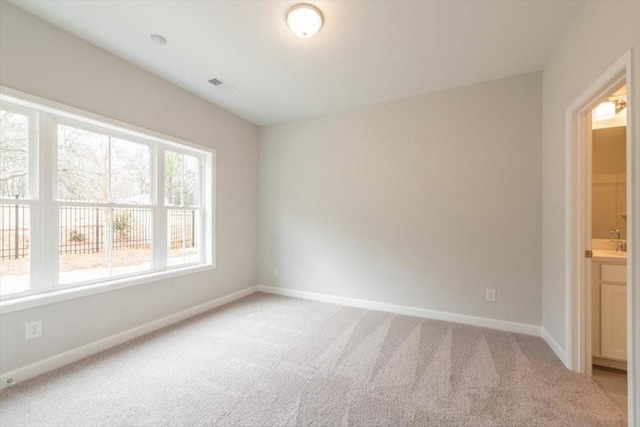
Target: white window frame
(201, 197)
(44, 117)
(52, 232)
(31, 198)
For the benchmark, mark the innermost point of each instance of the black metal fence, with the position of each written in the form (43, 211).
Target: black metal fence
(182, 225)
(14, 231)
(84, 230)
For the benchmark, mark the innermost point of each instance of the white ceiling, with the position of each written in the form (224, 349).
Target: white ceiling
(366, 52)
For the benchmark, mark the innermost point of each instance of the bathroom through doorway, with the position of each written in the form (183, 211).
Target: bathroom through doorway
(604, 281)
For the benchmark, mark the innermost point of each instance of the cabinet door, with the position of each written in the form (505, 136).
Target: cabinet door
(613, 321)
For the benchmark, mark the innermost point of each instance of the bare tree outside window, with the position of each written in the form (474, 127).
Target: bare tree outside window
(14, 217)
(106, 216)
(95, 241)
(182, 175)
(14, 133)
(83, 165)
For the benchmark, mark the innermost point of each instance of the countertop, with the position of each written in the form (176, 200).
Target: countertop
(608, 255)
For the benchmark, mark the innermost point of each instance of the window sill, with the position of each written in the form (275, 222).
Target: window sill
(30, 301)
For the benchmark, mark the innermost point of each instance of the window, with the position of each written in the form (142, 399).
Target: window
(104, 217)
(16, 133)
(86, 202)
(181, 192)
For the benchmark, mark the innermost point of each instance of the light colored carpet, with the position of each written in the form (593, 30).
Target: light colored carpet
(268, 360)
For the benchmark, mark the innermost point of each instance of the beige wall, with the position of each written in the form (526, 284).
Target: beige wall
(423, 202)
(43, 60)
(609, 182)
(603, 32)
(609, 151)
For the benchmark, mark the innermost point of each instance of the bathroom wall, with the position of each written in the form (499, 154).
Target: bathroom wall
(609, 196)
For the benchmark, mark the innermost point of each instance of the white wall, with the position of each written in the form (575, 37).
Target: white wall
(603, 31)
(423, 202)
(43, 60)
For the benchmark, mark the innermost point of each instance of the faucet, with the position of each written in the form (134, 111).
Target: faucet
(622, 244)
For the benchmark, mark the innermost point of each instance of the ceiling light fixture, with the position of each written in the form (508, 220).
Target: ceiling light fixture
(157, 39)
(304, 20)
(608, 109)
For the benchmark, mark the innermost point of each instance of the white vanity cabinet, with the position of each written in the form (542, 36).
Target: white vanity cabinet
(613, 312)
(609, 297)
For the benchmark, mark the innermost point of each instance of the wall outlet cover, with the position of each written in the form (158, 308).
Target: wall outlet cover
(34, 329)
(491, 295)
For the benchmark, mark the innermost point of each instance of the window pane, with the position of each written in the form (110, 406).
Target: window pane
(89, 251)
(14, 137)
(182, 175)
(14, 249)
(129, 172)
(83, 165)
(131, 240)
(190, 180)
(183, 241)
(84, 251)
(173, 178)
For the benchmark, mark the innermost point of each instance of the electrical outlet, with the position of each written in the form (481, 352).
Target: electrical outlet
(491, 295)
(34, 329)
(275, 271)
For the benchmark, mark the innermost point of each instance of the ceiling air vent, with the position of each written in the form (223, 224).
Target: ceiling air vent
(219, 83)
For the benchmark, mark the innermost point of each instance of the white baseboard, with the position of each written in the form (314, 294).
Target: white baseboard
(59, 360)
(557, 349)
(503, 325)
(62, 359)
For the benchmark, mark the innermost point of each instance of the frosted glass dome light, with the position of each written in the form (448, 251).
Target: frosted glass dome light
(606, 111)
(304, 20)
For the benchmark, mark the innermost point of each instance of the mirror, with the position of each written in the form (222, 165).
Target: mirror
(609, 195)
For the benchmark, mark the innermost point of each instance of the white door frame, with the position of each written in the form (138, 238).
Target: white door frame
(577, 198)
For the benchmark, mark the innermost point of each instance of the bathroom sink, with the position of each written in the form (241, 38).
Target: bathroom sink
(609, 254)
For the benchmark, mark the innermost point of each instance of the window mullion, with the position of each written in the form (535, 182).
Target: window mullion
(183, 217)
(35, 207)
(208, 224)
(182, 180)
(202, 202)
(160, 228)
(109, 240)
(184, 234)
(110, 211)
(109, 157)
(47, 212)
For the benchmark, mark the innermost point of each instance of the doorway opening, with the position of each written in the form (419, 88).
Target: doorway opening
(608, 187)
(602, 280)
